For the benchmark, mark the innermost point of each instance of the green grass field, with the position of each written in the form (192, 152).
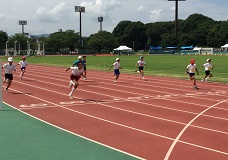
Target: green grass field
(157, 65)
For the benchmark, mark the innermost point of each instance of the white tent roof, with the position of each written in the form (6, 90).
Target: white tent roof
(196, 48)
(122, 48)
(225, 46)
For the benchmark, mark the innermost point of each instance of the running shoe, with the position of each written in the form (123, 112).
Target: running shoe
(6, 89)
(71, 96)
(195, 87)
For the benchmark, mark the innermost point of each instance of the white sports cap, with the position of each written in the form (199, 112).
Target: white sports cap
(79, 57)
(208, 59)
(117, 59)
(10, 59)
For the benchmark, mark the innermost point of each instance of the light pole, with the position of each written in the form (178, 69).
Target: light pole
(28, 48)
(23, 22)
(176, 16)
(80, 9)
(7, 54)
(100, 19)
(15, 48)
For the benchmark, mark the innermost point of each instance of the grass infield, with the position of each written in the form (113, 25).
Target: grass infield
(157, 65)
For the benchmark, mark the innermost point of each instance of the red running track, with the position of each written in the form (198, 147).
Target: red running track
(157, 118)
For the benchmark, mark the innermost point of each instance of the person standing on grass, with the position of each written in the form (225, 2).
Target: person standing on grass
(207, 66)
(116, 69)
(76, 73)
(191, 69)
(84, 62)
(23, 65)
(141, 64)
(9, 68)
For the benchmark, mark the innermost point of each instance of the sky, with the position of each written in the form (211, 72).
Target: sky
(48, 16)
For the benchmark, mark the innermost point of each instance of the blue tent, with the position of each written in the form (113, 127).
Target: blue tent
(171, 47)
(187, 47)
(155, 48)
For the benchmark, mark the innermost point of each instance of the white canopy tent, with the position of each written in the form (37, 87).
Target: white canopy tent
(196, 48)
(224, 46)
(123, 48)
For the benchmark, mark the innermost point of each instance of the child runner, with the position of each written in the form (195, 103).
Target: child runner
(76, 73)
(116, 68)
(207, 66)
(23, 64)
(141, 64)
(84, 62)
(78, 61)
(9, 68)
(191, 68)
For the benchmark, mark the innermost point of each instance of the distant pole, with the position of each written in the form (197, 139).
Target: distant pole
(15, 48)
(176, 16)
(43, 52)
(80, 9)
(19, 48)
(6, 54)
(28, 47)
(38, 48)
(100, 19)
(22, 22)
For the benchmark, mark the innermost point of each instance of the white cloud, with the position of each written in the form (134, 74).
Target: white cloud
(51, 15)
(56, 14)
(155, 15)
(140, 8)
(2, 16)
(100, 7)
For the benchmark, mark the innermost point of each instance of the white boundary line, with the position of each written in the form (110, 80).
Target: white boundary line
(118, 124)
(184, 129)
(124, 99)
(190, 124)
(73, 132)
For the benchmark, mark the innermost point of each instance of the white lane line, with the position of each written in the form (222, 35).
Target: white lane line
(118, 124)
(204, 147)
(87, 116)
(137, 102)
(184, 129)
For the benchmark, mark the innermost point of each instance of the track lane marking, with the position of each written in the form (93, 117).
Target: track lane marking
(187, 126)
(132, 128)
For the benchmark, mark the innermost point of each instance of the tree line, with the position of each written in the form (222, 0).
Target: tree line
(196, 30)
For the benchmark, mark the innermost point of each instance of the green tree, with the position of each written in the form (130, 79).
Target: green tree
(135, 33)
(3, 40)
(119, 31)
(20, 40)
(102, 40)
(62, 41)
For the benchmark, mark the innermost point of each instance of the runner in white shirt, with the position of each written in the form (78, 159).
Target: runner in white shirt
(23, 64)
(191, 69)
(9, 68)
(141, 64)
(116, 68)
(76, 73)
(207, 66)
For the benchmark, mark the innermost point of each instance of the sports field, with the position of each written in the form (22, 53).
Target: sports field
(161, 117)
